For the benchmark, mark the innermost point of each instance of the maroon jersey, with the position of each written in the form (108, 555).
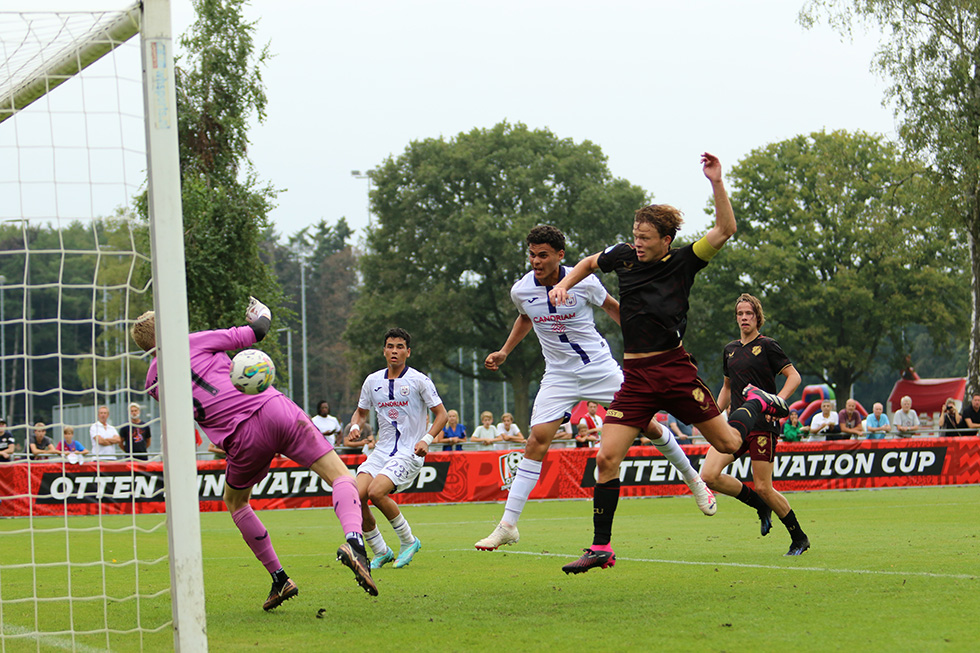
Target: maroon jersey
(756, 363)
(653, 296)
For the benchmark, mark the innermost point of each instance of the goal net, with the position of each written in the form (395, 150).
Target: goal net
(89, 191)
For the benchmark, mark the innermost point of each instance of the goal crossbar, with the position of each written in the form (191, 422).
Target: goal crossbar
(100, 41)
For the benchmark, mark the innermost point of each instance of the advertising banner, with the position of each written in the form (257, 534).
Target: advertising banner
(449, 477)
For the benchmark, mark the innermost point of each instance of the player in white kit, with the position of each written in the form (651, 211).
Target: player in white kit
(400, 395)
(578, 365)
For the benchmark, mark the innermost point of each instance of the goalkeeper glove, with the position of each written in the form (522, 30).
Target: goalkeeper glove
(255, 310)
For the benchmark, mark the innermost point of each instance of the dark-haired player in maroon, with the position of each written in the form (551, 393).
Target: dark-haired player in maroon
(654, 286)
(755, 359)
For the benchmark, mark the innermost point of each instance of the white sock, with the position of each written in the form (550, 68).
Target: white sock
(377, 543)
(525, 478)
(667, 445)
(403, 530)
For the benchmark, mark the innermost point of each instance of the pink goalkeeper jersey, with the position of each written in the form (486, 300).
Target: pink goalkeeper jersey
(218, 407)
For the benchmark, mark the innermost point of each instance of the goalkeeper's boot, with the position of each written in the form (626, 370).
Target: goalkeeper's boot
(405, 555)
(380, 561)
(765, 520)
(599, 555)
(798, 547)
(771, 404)
(281, 592)
(503, 534)
(704, 496)
(358, 563)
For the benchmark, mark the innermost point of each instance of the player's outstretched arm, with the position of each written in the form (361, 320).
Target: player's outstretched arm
(522, 326)
(259, 317)
(582, 269)
(611, 307)
(724, 227)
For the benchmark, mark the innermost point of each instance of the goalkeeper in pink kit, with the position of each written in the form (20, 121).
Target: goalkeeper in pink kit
(252, 429)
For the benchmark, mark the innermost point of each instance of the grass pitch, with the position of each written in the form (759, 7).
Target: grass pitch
(894, 569)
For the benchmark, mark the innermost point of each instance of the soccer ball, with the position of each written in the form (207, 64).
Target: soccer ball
(252, 371)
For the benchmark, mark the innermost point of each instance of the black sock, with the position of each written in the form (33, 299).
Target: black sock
(604, 503)
(749, 497)
(356, 541)
(793, 526)
(279, 577)
(743, 420)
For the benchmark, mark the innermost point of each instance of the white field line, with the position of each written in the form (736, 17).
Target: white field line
(740, 565)
(48, 641)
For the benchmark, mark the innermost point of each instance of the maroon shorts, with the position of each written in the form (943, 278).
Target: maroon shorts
(280, 426)
(667, 381)
(761, 445)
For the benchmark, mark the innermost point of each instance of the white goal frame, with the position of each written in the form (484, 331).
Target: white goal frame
(152, 20)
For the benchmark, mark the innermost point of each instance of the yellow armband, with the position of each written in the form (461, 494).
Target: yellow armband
(703, 249)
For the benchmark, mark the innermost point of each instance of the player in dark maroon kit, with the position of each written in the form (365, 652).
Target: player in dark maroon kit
(755, 359)
(654, 284)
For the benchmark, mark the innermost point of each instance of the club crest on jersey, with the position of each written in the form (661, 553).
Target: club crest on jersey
(698, 395)
(404, 390)
(508, 468)
(756, 350)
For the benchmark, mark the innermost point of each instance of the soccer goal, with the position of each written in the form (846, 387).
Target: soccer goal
(95, 553)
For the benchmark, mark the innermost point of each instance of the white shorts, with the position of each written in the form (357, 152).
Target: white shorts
(402, 470)
(560, 391)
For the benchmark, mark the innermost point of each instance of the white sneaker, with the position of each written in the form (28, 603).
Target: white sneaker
(704, 496)
(500, 536)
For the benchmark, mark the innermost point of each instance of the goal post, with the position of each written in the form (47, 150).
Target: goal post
(54, 187)
(173, 347)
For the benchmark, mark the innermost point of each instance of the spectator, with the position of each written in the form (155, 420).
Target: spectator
(41, 445)
(104, 437)
(951, 420)
(363, 440)
(592, 422)
(792, 429)
(70, 448)
(850, 422)
(8, 443)
(485, 434)
(453, 433)
(327, 424)
(564, 436)
(584, 438)
(908, 372)
(906, 420)
(877, 425)
(826, 422)
(134, 437)
(509, 433)
(970, 417)
(682, 432)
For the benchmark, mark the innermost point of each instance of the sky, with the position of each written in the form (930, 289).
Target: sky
(653, 83)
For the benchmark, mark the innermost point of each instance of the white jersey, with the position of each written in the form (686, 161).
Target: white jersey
(567, 333)
(401, 404)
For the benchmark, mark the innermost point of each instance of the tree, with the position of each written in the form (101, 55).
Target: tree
(331, 286)
(449, 242)
(225, 207)
(842, 241)
(933, 59)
